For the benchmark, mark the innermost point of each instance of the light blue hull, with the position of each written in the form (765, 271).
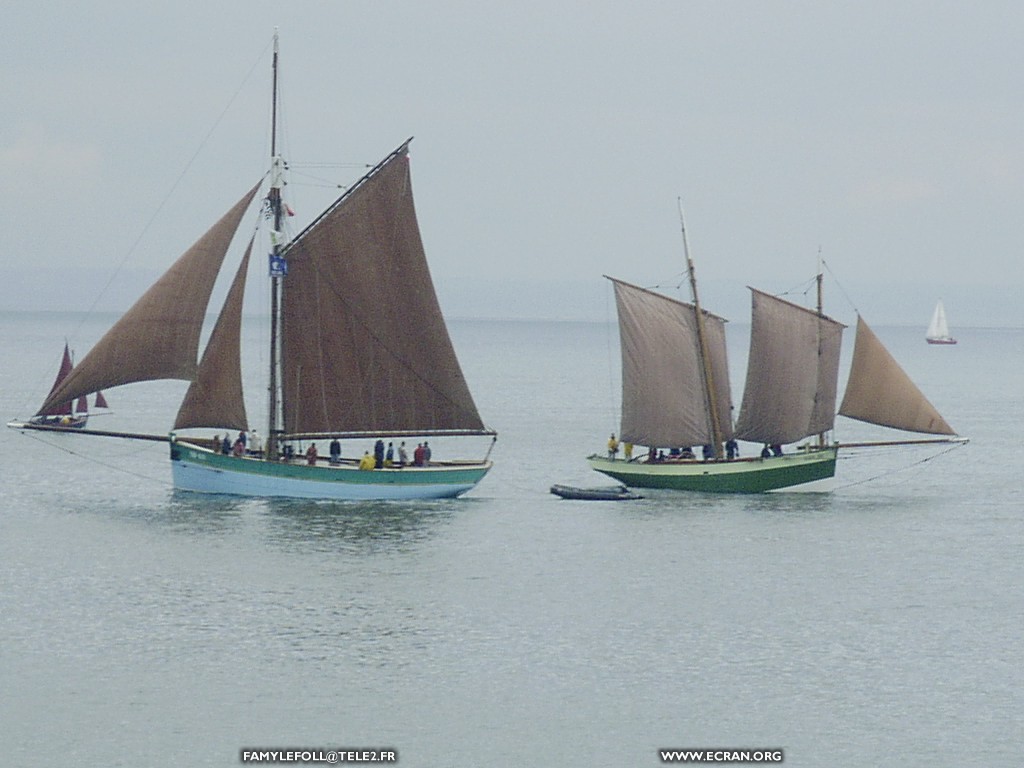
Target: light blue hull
(203, 471)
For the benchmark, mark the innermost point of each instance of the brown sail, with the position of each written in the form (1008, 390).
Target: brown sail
(880, 392)
(158, 338)
(60, 408)
(215, 398)
(364, 344)
(792, 371)
(664, 400)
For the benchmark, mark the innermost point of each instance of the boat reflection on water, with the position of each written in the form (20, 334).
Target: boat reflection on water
(352, 527)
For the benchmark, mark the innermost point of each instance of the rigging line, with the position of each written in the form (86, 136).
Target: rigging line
(683, 279)
(163, 203)
(293, 164)
(293, 172)
(317, 184)
(83, 456)
(881, 475)
(839, 285)
(800, 288)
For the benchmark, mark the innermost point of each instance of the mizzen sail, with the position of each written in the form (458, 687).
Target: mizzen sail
(880, 392)
(792, 370)
(364, 344)
(664, 399)
(158, 338)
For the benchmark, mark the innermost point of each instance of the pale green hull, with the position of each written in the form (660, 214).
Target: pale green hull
(737, 476)
(205, 471)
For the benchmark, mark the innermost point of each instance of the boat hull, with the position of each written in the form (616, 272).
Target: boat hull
(205, 471)
(76, 421)
(737, 476)
(946, 340)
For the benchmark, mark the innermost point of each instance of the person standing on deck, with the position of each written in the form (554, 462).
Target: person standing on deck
(613, 447)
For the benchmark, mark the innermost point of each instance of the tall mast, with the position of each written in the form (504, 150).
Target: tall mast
(705, 356)
(277, 270)
(821, 313)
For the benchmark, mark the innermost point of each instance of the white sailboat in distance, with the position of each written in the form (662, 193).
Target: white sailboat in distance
(938, 328)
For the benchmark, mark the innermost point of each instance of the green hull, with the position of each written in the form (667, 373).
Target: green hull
(738, 476)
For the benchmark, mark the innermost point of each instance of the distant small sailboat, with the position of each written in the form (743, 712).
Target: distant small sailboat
(938, 328)
(74, 414)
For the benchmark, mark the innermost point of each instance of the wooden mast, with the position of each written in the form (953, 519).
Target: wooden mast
(821, 313)
(274, 197)
(705, 357)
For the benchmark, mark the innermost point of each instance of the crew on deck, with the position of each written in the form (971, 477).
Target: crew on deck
(613, 447)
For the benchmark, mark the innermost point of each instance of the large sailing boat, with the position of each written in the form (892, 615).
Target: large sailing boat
(676, 393)
(358, 349)
(938, 328)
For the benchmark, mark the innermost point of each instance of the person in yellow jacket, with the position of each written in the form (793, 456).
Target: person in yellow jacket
(613, 446)
(367, 462)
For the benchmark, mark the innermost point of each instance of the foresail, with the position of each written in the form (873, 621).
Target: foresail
(215, 397)
(664, 400)
(880, 392)
(158, 338)
(365, 346)
(792, 371)
(60, 408)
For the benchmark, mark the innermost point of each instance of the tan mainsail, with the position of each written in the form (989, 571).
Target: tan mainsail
(792, 370)
(880, 392)
(365, 347)
(158, 338)
(215, 398)
(664, 399)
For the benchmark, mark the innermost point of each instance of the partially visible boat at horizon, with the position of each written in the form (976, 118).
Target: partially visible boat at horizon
(676, 394)
(358, 350)
(71, 415)
(938, 328)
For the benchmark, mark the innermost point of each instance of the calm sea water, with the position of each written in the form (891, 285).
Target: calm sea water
(880, 624)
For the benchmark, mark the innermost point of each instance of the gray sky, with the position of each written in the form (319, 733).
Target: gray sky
(552, 142)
